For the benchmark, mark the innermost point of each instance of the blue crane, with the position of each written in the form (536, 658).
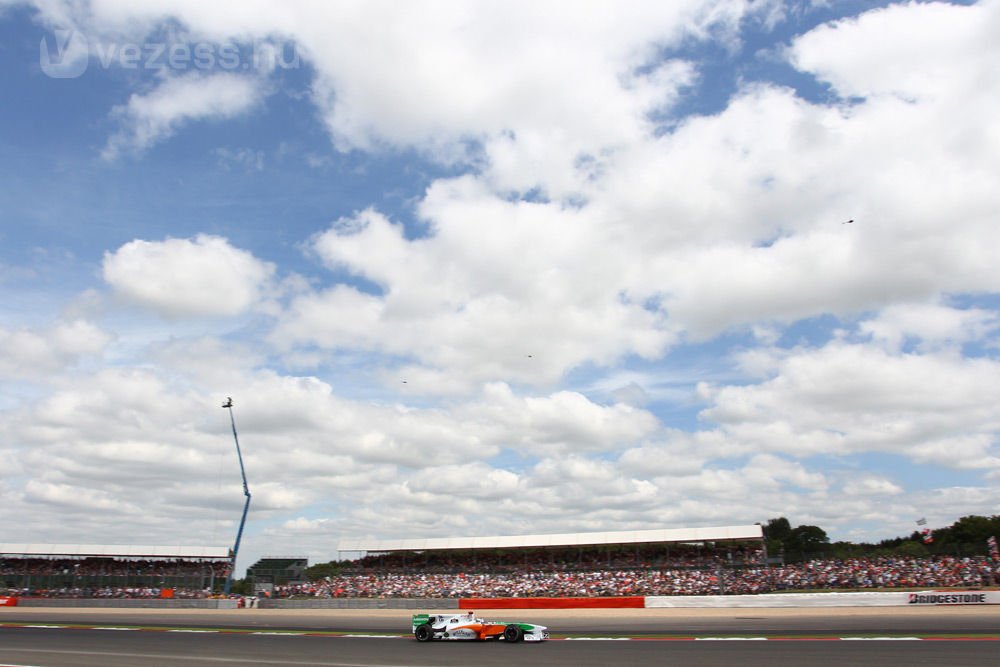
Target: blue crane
(246, 492)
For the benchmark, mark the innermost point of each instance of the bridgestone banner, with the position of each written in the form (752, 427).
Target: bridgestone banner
(919, 598)
(8, 602)
(965, 597)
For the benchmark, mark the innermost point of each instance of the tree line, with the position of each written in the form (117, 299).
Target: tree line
(966, 537)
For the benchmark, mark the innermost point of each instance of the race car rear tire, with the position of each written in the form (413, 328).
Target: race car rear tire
(423, 633)
(513, 634)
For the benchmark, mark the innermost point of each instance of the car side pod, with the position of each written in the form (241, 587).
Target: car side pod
(513, 634)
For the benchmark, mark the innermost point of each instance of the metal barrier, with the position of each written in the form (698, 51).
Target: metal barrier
(122, 603)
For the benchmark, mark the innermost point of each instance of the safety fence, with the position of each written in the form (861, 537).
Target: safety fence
(123, 603)
(861, 599)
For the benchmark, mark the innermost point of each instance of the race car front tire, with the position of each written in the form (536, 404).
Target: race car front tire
(513, 634)
(424, 633)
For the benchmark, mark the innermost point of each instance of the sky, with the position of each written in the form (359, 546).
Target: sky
(495, 268)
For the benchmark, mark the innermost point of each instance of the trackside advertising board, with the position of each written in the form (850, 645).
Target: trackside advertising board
(952, 597)
(863, 599)
(8, 602)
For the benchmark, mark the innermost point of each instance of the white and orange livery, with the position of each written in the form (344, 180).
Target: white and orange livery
(467, 626)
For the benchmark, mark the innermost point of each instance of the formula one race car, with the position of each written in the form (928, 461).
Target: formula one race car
(427, 627)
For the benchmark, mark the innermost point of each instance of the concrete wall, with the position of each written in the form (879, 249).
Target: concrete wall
(360, 603)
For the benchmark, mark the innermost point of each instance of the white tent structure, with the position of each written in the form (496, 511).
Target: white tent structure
(111, 551)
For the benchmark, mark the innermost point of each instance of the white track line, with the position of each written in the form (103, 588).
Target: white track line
(167, 658)
(197, 632)
(881, 639)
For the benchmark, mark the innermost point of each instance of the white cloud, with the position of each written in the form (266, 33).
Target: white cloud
(90, 500)
(437, 77)
(915, 45)
(244, 158)
(871, 485)
(560, 423)
(508, 78)
(150, 118)
(726, 221)
(933, 408)
(28, 353)
(738, 216)
(204, 276)
(502, 289)
(470, 480)
(930, 325)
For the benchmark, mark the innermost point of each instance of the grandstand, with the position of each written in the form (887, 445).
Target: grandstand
(52, 568)
(697, 561)
(514, 547)
(684, 561)
(662, 536)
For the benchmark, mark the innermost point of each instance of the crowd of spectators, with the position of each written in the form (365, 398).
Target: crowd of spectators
(718, 578)
(111, 567)
(939, 571)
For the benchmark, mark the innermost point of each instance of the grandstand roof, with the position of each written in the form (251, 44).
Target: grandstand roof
(112, 550)
(716, 534)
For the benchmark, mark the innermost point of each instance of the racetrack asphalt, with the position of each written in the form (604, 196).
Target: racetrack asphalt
(748, 637)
